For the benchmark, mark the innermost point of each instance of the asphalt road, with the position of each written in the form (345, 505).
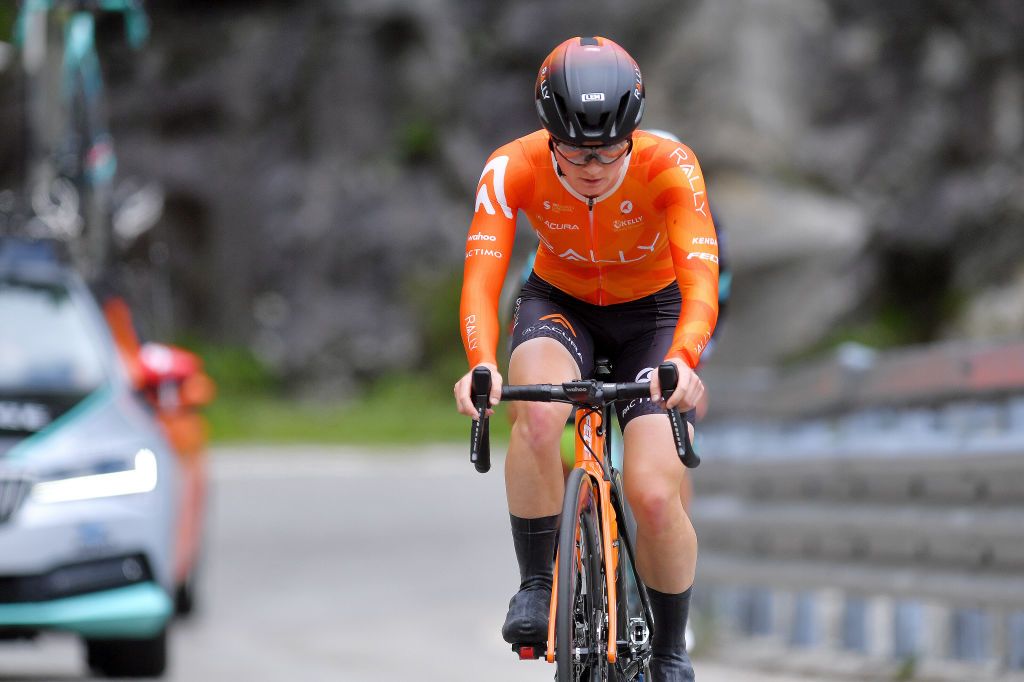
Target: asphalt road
(345, 565)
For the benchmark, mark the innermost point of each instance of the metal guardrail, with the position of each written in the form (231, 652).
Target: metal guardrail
(867, 513)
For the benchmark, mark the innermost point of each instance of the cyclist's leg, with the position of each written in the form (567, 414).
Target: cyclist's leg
(533, 470)
(548, 346)
(654, 480)
(653, 477)
(666, 543)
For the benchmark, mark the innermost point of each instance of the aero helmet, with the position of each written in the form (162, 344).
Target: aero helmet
(589, 90)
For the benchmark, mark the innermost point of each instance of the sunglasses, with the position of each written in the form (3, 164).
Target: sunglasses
(580, 156)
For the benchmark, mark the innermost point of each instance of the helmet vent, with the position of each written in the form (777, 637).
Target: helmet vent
(588, 41)
(563, 111)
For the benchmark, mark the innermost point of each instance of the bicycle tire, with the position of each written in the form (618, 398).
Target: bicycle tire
(581, 612)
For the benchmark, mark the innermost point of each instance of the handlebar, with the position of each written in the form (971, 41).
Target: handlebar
(586, 393)
(480, 444)
(668, 377)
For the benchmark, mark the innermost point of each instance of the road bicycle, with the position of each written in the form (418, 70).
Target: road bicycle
(71, 160)
(601, 625)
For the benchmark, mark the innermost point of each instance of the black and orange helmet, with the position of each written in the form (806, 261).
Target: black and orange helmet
(590, 90)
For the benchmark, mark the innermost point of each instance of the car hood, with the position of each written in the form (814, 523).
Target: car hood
(106, 423)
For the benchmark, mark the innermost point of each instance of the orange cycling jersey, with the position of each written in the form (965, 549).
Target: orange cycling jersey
(654, 226)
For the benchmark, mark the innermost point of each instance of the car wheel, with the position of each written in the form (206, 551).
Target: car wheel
(128, 657)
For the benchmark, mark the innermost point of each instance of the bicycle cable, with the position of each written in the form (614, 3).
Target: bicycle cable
(590, 409)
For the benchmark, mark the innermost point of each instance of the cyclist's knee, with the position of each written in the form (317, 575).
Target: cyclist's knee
(656, 506)
(541, 360)
(539, 426)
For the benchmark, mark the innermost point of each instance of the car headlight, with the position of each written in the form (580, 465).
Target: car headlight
(140, 479)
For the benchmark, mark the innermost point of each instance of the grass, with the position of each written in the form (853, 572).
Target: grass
(402, 411)
(406, 409)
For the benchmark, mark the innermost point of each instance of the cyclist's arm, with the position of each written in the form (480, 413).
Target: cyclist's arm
(694, 249)
(488, 248)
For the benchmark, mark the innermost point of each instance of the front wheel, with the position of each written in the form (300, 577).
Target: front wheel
(581, 615)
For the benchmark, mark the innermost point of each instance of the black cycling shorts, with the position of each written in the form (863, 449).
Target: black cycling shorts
(634, 335)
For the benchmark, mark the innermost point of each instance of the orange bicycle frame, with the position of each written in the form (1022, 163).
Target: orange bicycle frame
(591, 432)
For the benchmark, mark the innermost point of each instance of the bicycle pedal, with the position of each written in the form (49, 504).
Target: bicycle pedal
(639, 633)
(529, 652)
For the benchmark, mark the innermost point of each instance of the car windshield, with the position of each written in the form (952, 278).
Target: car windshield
(47, 344)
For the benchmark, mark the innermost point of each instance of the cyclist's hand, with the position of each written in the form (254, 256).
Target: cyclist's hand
(689, 389)
(464, 391)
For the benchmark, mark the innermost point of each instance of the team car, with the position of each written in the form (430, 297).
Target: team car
(102, 469)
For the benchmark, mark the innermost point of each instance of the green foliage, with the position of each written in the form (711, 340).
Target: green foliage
(906, 671)
(399, 410)
(892, 326)
(8, 12)
(418, 141)
(436, 297)
(236, 369)
(252, 405)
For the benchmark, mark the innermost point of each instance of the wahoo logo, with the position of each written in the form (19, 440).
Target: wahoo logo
(558, 318)
(481, 237)
(593, 96)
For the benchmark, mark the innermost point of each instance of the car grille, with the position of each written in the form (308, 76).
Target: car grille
(13, 492)
(73, 579)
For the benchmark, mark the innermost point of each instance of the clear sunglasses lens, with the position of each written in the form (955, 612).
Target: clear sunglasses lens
(581, 155)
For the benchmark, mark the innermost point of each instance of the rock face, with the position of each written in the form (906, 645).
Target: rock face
(319, 158)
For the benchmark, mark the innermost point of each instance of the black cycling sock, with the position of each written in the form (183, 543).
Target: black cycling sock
(535, 541)
(669, 643)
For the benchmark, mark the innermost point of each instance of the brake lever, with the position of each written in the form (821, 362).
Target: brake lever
(668, 377)
(480, 438)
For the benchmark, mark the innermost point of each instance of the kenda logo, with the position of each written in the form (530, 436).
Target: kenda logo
(481, 237)
(593, 97)
(705, 240)
(23, 416)
(472, 253)
(702, 256)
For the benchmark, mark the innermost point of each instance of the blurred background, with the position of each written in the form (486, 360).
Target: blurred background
(316, 162)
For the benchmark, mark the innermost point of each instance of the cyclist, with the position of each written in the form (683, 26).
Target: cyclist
(627, 267)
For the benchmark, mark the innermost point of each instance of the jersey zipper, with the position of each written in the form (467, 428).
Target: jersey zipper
(593, 252)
